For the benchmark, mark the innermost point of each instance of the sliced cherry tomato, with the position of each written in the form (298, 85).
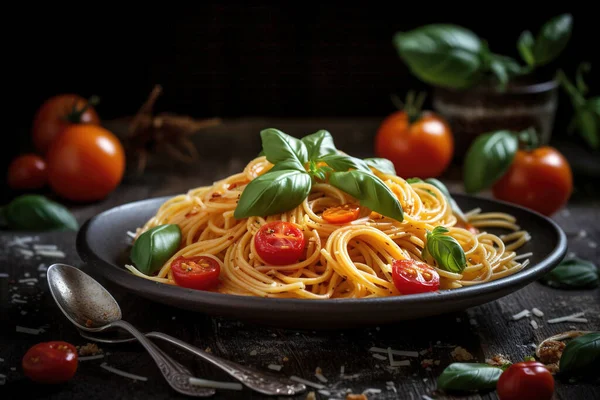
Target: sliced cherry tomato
(529, 380)
(27, 171)
(412, 276)
(279, 243)
(199, 272)
(341, 214)
(50, 362)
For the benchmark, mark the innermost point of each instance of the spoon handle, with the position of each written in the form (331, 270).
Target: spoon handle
(259, 381)
(175, 376)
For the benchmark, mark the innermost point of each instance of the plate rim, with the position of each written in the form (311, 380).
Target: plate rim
(127, 280)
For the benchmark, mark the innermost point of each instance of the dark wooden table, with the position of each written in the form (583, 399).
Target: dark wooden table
(484, 331)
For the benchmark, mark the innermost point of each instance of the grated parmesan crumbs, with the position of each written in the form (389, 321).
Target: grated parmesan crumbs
(534, 324)
(537, 312)
(461, 354)
(90, 349)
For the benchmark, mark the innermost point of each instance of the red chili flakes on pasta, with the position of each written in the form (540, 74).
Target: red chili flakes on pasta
(216, 195)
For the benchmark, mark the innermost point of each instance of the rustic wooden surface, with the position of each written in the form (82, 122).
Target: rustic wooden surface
(484, 331)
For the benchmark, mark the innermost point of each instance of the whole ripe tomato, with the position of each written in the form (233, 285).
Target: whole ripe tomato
(27, 171)
(539, 179)
(85, 163)
(529, 380)
(58, 112)
(422, 148)
(50, 362)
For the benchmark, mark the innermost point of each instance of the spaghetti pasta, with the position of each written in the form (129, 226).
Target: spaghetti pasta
(352, 259)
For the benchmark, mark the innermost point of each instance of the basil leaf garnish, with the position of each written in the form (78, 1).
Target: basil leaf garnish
(279, 146)
(572, 274)
(469, 376)
(340, 162)
(581, 356)
(445, 250)
(525, 44)
(488, 158)
(442, 54)
(371, 192)
(319, 144)
(38, 213)
(272, 193)
(383, 165)
(154, 247)
(552, 39)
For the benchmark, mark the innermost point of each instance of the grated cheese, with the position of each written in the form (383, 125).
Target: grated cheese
(44, 247)
(26, 253)
(403, 363)
(537, 312)
(275, 367)
(19, 301)
(534, 324)
(395, 352)
(3, 275)
(123, 373)
(425, 397)
(51, 253)
(87, 358)
(325, 392)
(578, 320)
(342, 370)
(379, 357)
(371, 391)
(253, 353)
(307, 383)
(28, 280)
(42, 268)
(214, 384)
(321, 377)
(524, 313)
(31, 331)
(565, 318)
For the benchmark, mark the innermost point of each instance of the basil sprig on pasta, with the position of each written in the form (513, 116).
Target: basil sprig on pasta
(300, 163)
(445, 250)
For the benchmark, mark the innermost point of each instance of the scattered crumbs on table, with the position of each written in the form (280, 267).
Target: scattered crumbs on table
(534, 324)
(297, 333)
(23, 312)
(377, 328)
(43, 275)
(377, 365)
(2, 379)
(379, 356)
(30, 283)
(402, 363)
(473, 322)
(439, 342)
(275, 367)
(51, 253)
(122, 373)
(15, 300)
(311, 396)
(428, 362)
(593, 245)
(537, 312)
(521, 314)
(572, 327)
(424, 351)
(42, 267)
(325, 392)
(22, 241)
(371, 391)
(3, 275)
(342, 370)
(571, 254)
(285, 359)
(582, 234)
(565, 212)
(319, 375)
(88, 358)
(44, 247)
(395, 352)
(208, 350)
(173, 318)
(26, 275)
(569, 318)
(306, 382)
(461, 354)
(31, 331)
(26, 253)
(13, 368)
(89, 349)
(273, 334)
(425, 379)
(425, 397)
(253, 353)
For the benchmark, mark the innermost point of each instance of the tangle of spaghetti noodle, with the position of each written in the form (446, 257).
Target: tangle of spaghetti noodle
(351, 260)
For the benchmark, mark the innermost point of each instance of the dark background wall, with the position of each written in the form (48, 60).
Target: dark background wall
(233, 60)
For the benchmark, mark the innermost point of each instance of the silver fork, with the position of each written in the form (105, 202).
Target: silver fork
(261, 382)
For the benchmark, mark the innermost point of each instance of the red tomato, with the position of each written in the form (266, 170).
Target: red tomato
(56, 114)
(199, 272)
(50, 362)
(412, 276)
(279, 243)
(85, 163)
(540, 179)
(422, 149)
(27, 171)
(341, 214)
(526, 380)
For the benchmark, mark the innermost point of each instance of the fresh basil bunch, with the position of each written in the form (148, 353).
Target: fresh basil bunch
(452, 56)
(468, 377)
(35, 212)
(296, 167)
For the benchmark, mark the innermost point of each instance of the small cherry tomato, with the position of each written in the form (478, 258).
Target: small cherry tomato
(58, 112)
(279, 243)
(540, 179)
(85, 163)
(412, 276)
(27, 171)
(529, 380)
(50, 362)
(341, 214)
(199, 272)
(422, 148)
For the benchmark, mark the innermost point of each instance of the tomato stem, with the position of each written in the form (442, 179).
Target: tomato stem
(528, 139)
(412, 106)
(75, 115)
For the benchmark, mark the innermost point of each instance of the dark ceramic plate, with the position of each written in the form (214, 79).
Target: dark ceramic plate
(103, 244)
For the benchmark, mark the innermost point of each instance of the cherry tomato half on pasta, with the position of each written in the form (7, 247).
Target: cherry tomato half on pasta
(279, 243)
(341, 214)
(198, 272)
(412, 276)
(529, 380)
(50, 362)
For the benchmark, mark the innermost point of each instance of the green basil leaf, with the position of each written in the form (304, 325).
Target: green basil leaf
(488, 158)
(154, 247)
(588, 125)
(525, 44)
(445, 250)
(469, 376)
(340, 162)
(38, 213)
(593, 104)
(279, 147)
(552, 39)
(442, 54)
(371, 191)
(383, 165)
(572, 274)
(319, 144)
(581, 356)
(272, 193)
(453, 204)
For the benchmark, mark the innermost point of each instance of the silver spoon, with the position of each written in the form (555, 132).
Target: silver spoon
(90, 307)
(265, 383)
